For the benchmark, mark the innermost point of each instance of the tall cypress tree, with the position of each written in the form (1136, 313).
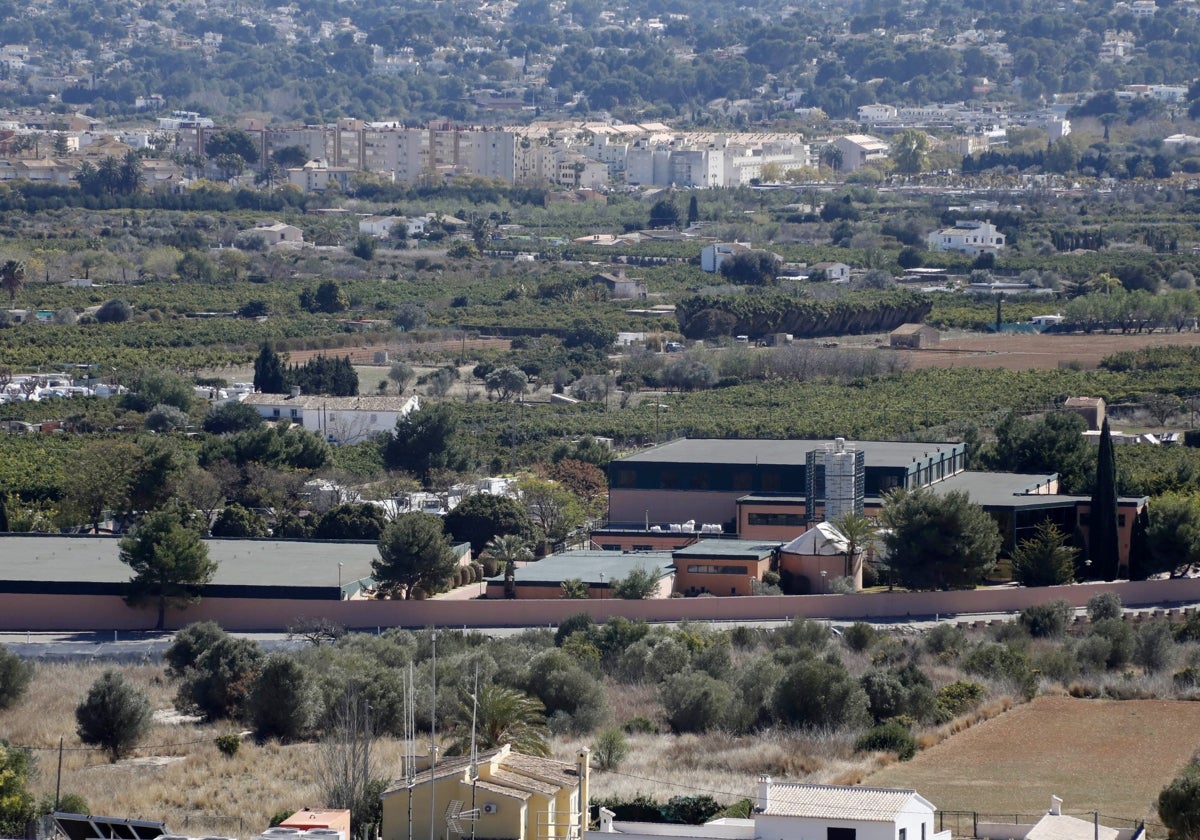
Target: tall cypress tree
(269, 377)
(3, 514)
(1103, 538)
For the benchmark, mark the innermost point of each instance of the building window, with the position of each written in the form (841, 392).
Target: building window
(643, 548)
(1120, 520)
(903, 834)
(668, 480)
(743, 480)
(275, 412)
(626, 478)
(786, 519)
(611, 546)
(713, 569)
(771, 481)
(832, 833)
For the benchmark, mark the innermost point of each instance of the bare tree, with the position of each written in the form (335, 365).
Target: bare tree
(347, 771)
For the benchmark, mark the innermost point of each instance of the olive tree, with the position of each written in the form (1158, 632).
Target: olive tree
(115, 715)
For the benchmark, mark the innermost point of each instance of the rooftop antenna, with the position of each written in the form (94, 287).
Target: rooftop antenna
(433, 738)
(410, 743)
(474, 751)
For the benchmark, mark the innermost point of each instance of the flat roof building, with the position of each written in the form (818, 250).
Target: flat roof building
(700, 480)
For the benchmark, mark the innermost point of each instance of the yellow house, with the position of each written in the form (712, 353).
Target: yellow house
(510, 797)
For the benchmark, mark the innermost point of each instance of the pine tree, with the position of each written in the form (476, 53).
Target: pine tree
(269, 377)
(1103, 537)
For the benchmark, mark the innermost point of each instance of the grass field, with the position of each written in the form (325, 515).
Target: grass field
(1114, 756)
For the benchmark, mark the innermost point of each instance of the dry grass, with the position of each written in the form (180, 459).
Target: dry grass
(724, 766)
(179, 776)
(1114, 756)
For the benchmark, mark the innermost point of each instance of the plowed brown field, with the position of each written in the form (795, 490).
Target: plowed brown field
(1114, 756)
(1037, 352)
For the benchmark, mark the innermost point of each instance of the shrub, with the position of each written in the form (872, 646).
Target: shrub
(690, 810)
(1120, 638)
(640, 726)
(803, 633)
(960, 697)
(115, 715)
(816, 694)
(572, 624)
(218, 684)
(695, 702)
(1179, 804)
(859, 636)
(228, 745)
(189, 644)
(885, 694)
(946, 640)
(1092, 653)
(998, 662)
(283, 703)
(1189, 631)
(113, 311)
(1047, 620)
(610, 749)
(1105, 605)
(1186, 679)
(15, 675)
(1060, 664)
(892, 736)
(1154, 646)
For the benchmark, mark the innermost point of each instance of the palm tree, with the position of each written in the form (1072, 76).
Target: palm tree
(502, 716)
(575, 589)
(857, 530)
(832, 157)
(12, 279)
(509, 549)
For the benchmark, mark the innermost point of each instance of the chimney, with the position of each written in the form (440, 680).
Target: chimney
(764, 792)
(585, 780)
(295, 391)
(606, 820)
(1055, 805)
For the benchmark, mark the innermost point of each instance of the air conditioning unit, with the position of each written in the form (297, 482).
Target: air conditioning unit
(490, 807)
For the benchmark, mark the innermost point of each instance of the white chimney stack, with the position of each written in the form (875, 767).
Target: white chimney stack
(764, 792)
(1055, 805)
(295, 390)
(606, 821)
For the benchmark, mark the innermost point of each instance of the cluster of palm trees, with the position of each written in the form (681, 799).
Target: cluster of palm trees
(113, 177)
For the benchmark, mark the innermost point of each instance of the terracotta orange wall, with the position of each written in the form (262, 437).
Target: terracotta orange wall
(1124, 532)
(810, 566)
(108, 612)
(719, 584)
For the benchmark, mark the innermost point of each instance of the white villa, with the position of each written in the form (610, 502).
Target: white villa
(969, 237)
(337, 419)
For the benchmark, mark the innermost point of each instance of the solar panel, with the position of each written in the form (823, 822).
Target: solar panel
(88, 827)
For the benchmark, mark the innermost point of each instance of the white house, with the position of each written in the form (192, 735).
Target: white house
(337, 419)
(275, 233)
(711, 256)
(969, 237)
(787, 811)
(380, 225)
(860, 149)
(834, 272)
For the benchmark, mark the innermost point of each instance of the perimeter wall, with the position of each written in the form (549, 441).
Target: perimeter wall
(106, 612)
